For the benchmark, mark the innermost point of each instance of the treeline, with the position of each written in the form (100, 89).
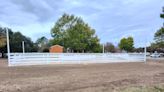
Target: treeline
(15, 39)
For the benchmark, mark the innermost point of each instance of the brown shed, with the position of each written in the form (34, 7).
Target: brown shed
(56, 49)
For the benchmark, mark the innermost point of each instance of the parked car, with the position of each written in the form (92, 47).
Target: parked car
(155, 55)
(162, 54)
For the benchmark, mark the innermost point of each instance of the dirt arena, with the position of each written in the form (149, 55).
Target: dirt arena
(80, 78)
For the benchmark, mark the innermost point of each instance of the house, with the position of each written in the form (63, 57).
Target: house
(56, 49)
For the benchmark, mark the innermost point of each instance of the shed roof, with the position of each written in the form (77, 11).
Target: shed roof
(56, 46)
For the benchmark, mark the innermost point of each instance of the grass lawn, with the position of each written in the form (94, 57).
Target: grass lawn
(158, 88)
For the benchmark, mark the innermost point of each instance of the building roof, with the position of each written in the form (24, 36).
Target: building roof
(56, 46)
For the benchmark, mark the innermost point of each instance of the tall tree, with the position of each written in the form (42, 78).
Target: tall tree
(16, 39)
(73, 33)
(2, 37)
(162, 14)
(42, 44)
(127, 44)
(109, 47)
(159, 37)
(61, 26)
(2, 40)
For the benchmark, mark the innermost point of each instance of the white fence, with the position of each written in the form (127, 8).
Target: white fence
(72, 58)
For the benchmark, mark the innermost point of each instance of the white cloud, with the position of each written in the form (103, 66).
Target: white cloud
(112, 19)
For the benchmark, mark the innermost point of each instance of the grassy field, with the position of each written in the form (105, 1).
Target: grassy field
(157, 88)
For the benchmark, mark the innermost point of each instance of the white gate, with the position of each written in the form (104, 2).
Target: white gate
(17, 59)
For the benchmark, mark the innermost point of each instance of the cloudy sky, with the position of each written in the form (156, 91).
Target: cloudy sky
(112, 19)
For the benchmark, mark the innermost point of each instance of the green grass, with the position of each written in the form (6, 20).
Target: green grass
(143, 89)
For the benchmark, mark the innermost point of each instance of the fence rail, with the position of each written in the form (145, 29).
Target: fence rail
(17, 59)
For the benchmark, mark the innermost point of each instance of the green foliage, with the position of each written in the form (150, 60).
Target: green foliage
(109, 47)
(159, 39)
(140, 49)
(71, 32)
(16, 39)
(162, 15)
(127, 44)
(62, 25)
(159, 35)
(42, 44)
(158, 88)
(46, 49)
(2, 37)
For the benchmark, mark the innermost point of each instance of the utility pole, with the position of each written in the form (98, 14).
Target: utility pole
(8, 46)
(163, 15)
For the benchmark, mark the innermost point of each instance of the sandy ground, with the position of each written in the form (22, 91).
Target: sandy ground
(80, 78)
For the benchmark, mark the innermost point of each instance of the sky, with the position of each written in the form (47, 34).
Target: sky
(112, 19)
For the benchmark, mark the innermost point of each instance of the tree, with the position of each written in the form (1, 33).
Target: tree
(140, 49)
(123, 44)
(159, 38)
(162, 14)
(16, 39)
(73, 33)
(62, 25)
(2, 40)
(127, 44)
(42, 44)
(109, 47)
(2, 37)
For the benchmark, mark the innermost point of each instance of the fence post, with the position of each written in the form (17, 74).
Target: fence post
(103, 48)
(8, 46)
(23, 47)
(145, 54)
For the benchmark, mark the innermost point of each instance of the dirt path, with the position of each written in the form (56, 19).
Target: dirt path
(79, 78)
